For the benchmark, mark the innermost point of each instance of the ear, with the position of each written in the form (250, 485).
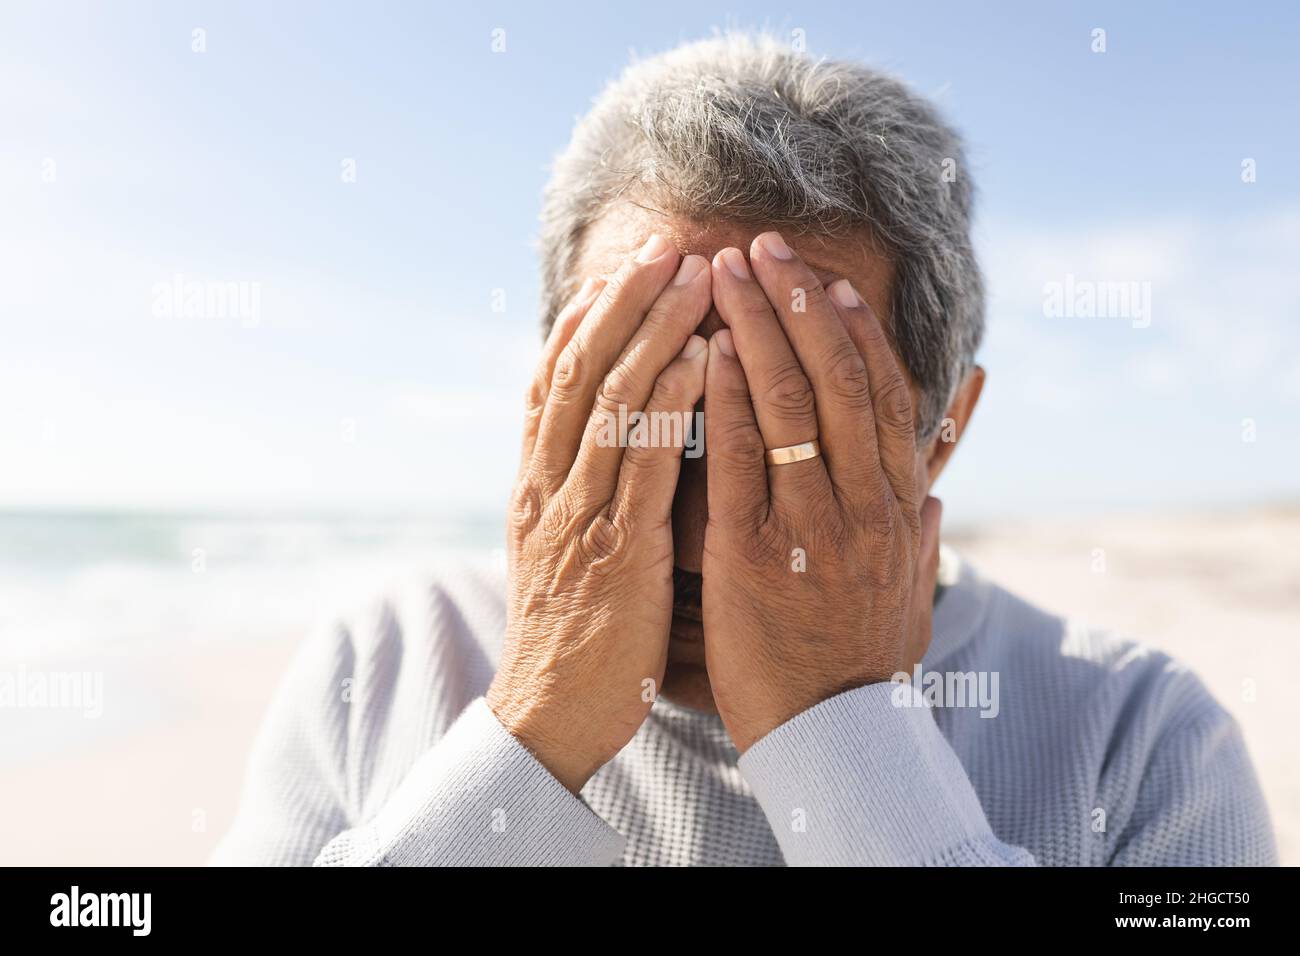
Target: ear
(954, 425)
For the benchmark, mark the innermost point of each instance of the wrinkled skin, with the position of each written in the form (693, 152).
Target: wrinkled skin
(590, 539)
(817, 575)
(779, 640)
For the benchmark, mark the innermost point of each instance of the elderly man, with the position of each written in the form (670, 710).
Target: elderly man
(756, 656)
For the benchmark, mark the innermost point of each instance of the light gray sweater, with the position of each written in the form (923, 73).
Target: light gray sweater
(379, 750)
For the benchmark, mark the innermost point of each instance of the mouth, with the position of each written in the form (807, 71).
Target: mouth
(687, 590)
(688, 613)
(686, 632)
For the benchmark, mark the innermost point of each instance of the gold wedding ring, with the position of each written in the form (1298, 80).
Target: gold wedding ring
(793, 453)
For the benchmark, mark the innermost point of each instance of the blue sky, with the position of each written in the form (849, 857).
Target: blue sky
(377, 375)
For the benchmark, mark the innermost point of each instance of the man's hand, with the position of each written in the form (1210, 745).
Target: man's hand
(590, 539)
(818, 574)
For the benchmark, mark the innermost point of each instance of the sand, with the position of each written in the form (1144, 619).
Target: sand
(1219, 592)
(161, 794)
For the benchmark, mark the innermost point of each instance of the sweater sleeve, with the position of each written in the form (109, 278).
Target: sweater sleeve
(475, 797)
(866, 778)
(1199, 802)
(295, 787)
(478, 798)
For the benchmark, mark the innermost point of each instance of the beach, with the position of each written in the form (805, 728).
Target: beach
(155, 779)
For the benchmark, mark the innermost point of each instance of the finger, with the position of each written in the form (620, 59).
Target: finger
(838, 374)
(927, 576)
(566, 323)
(583, 363)
(781, 394)
(668, 325)
(737, 473)
(891, 398)
(647, 478)
(928, 554)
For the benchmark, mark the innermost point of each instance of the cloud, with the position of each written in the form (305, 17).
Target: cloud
(1224, 303)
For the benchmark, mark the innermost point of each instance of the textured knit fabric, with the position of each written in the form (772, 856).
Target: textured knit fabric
(379, 750)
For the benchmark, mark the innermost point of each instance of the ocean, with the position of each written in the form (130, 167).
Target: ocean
(78, 583)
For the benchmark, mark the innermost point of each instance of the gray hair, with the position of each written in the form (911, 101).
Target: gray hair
(741, 128)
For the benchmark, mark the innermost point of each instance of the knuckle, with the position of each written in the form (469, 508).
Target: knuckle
(646, 459)
(752, 308)
(603, 544)
(789, 394)
(894, 406)
(847, 376)
(570, 372)
(670, 390)
(616, 390)
(813, 293)
(639, 457)
(525, 504)
(558, 516)
(739, 442)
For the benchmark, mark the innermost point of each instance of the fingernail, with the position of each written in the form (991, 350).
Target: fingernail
(690, 268)
(694, 346)
(775, 245)
(725, 345)
(589, 289)
(654, 247)
(842, 291)
(734, 260)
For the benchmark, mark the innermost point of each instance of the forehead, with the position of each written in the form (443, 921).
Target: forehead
(621, 230)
